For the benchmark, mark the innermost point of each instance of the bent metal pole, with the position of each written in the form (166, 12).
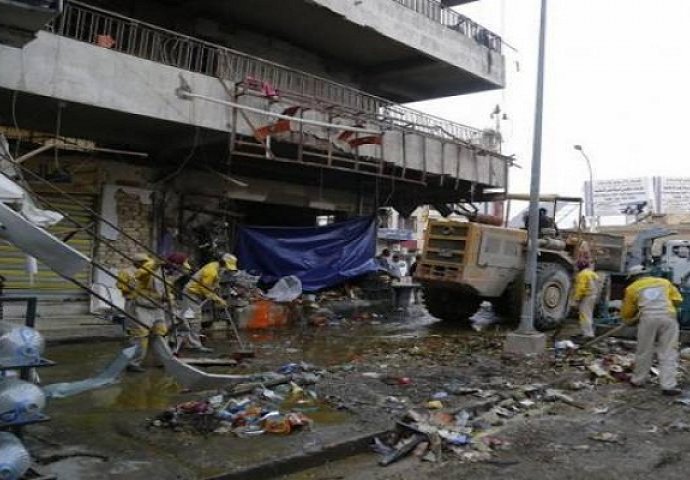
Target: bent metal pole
(529, 304)
(185, 93)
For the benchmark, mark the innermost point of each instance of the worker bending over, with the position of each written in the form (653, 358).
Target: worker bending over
(202, 287)
(144, 295)
(651, 303)
(586, 292)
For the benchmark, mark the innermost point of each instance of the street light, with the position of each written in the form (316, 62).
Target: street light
(591, 186)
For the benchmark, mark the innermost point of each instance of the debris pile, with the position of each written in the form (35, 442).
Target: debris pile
(612, 368)
(280, 410)
(469, 433)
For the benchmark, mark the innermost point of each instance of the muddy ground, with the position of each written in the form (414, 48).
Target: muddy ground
(375, 369)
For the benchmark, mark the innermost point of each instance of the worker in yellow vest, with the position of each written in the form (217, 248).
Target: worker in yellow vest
(585, 296)
(144, 294)
(203, 287)
(651, 302)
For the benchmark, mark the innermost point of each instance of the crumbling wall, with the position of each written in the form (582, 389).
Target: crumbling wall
(127, 203)
(135, 218)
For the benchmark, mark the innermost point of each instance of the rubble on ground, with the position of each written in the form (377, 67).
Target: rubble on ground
(281, 409)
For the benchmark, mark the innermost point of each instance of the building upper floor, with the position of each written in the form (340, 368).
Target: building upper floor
(128, 84)
(402, 50)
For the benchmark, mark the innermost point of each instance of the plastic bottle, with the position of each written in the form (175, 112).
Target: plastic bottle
(14, 459)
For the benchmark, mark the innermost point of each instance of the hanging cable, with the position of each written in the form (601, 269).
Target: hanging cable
(58, 127)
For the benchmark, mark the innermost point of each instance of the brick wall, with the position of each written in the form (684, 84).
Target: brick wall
(135, 218)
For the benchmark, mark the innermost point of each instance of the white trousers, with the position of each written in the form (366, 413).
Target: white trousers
(657, 333)
(586, 312)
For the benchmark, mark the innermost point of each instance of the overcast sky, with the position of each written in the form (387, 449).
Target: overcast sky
(617, 82)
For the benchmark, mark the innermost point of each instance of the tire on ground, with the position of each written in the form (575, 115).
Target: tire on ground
(451, 304)
(509, 305)
(553, 287)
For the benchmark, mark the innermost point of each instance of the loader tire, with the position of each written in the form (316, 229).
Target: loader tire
(451, 304)
(509, 305)
(553, 287)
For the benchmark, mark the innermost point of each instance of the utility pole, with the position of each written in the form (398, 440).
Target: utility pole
(526, 340)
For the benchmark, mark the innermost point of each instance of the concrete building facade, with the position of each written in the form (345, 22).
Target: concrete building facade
(254, 111)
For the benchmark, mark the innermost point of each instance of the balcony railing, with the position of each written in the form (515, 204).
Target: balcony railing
(110, 30)
(455, 21)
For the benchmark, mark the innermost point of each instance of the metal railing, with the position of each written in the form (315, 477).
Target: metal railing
(455, 21)
(117, 32)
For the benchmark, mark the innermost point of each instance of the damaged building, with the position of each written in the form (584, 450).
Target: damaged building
(178, 122)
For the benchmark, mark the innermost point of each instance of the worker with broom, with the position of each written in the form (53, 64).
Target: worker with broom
(144, 294)
(650, 302)
(585, 297)
(202, 287)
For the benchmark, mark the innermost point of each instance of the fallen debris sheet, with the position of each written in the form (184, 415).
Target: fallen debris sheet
(107, 377)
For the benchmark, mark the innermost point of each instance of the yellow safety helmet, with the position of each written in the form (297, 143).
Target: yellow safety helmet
(140, 258)
(230, 262)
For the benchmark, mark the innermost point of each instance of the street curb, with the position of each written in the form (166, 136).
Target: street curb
(302, 461)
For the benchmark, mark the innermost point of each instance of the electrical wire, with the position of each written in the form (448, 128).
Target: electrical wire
(184, 162)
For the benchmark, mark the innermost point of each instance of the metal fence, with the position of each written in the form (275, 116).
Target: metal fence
(455, 21)
(110, 30)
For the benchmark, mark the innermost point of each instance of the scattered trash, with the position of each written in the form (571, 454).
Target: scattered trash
(601, 411)
(454, 438)
(440, 395)
(563, 347)
(286, 289)
(403, 449)
(685, 353)
(381, 448)
(613, 367)
(434, 404)
(679, 426)
(685, 401)
(457, 388)
(606, 437)
(484, 317)
(265, 411)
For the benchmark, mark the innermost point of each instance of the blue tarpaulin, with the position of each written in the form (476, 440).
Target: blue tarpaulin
(320, 256)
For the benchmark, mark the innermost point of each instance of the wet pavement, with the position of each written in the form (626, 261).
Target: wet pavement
(105, 434)
(375, 368)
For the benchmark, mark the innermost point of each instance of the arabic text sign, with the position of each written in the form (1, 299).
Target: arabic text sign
(674, 194)
(622, 196)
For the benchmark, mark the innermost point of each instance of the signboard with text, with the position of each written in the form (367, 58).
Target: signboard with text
(626, 196)
(674, 194)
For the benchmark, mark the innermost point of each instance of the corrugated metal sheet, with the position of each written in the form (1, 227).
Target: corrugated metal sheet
(13, 264)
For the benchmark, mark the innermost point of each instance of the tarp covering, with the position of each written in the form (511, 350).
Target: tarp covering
(320, 257)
